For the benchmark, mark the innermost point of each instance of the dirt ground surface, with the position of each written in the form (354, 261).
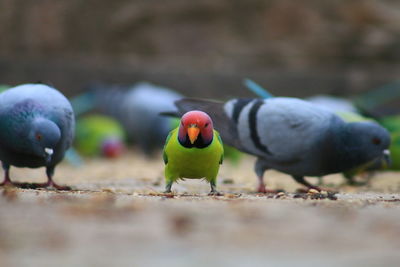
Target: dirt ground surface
(117, 217)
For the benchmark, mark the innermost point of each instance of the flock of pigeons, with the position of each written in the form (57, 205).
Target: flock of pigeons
(298, 137)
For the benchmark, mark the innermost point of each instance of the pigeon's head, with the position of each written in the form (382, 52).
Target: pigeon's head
(112, 147)
(196, 126)
(44, 137)
(368, 141)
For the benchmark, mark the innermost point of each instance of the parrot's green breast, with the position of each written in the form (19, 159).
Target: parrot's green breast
(182, 162)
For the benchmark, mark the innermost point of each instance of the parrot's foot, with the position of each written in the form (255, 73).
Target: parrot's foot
(49, 185)
(215, 193)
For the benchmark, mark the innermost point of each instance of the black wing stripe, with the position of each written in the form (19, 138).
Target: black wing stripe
(238, 106)
(253, 126)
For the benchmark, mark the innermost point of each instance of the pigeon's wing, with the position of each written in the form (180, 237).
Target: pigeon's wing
(222, 123)
(283, 129)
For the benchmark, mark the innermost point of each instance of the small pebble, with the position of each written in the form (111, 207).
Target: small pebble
(313, 191)
(279, 195)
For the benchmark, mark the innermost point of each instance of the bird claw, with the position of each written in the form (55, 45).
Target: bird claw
(261, 189)
(6, 184)
(215, 193)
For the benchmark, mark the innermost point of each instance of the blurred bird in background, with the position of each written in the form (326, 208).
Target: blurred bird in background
(137, 108)
(99, 135)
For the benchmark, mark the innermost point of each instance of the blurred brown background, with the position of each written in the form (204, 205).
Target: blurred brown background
(202, 48)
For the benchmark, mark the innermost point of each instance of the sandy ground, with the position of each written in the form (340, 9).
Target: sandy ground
(117, 217)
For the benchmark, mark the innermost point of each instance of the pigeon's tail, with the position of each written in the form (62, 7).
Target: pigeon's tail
(257, 89)
(222, 123)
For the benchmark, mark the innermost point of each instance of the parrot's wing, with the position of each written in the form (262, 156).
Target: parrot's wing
(165, 157)
(222, 154)
(222, 123)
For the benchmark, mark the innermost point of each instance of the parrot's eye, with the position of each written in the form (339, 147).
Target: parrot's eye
(38, 137)
(206, 125)
(376, 141)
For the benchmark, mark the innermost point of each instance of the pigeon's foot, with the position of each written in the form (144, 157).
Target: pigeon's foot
(6, 183)
(301, 180)
(48, 185)
(263, 190)
(60, 187)
(215, 193)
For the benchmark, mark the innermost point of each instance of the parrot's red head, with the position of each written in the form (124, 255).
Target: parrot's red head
(196, 129)
(112, 148)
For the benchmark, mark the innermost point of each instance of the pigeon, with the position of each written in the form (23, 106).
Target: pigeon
(293, 136)
(348, 112)
(36, 128)
(137, 108)
(193, 150)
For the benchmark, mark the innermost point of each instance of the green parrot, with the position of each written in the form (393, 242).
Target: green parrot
(231, 154)
(193, 150)
(99, 135)
(392, 124)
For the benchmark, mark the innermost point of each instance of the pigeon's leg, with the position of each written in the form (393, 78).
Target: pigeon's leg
(213, 191)
(49, 183)
(7, 180)
(300, 179)
(260, 168)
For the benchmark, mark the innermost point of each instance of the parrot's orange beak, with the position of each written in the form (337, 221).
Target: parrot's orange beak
(193, 132)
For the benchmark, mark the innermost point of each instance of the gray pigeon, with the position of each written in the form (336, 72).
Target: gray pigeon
(36, 128)
(138, 109)
(293, 136)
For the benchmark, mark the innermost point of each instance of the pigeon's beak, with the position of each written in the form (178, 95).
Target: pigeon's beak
(193, 132)
(49, 152)
(387, 158)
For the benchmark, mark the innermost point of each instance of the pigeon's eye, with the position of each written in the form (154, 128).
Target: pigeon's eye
(39, 137)
(376, 141)
(206, 125)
